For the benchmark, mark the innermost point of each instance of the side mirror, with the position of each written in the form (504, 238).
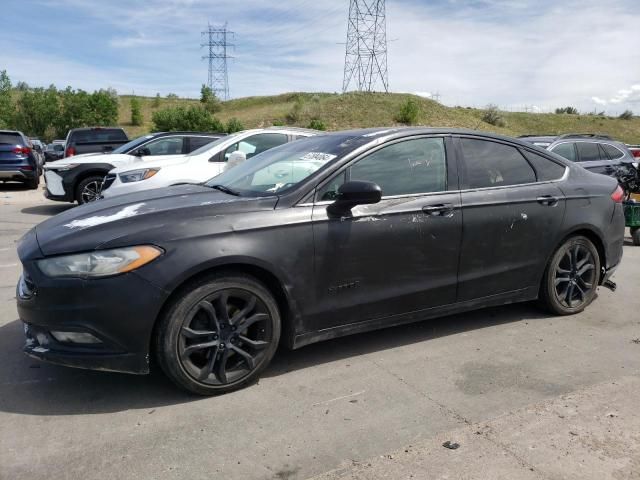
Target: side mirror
(355, 193)
(142, 152)
(236, 158)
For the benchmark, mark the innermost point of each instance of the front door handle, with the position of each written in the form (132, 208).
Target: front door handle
(439, 210)
(548, 200)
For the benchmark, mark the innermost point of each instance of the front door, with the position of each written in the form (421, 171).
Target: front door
(394, 257)
(510, 220)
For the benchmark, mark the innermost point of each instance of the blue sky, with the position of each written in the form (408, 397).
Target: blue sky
(514, 53)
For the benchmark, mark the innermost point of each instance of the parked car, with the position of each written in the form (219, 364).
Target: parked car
(18, 161)
(326, 236)
(94, 140)
(38, 148)
(53, 152)
(79, 178)
(200, 165)
(597, 153)
(635, 151)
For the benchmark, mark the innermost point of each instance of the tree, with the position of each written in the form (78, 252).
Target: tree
(567, 110)
(492, 116)
(136, 112)
(205, 94)
(186, 118)
(209, 99)
(6, 104)
(408, 113)
(156, 101)
(36, 110)
(626, 115)
(234, 125)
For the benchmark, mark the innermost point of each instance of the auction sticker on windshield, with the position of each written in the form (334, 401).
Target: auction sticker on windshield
(323, 157)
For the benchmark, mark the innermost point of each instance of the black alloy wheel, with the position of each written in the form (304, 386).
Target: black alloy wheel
(89, 190)
(572, 277)
(220, 335)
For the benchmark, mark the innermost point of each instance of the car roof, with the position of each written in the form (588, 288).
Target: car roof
(160, 134)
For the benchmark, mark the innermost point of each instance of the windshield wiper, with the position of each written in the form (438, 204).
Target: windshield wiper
(226, 190)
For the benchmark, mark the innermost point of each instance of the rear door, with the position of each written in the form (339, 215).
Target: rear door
(511, 213)
(593, 157)
(399, 255)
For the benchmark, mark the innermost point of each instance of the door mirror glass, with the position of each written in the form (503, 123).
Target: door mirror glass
(143, 152)
(356, 192)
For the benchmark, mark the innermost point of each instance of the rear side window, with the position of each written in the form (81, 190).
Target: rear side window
(566, 150)
(588, 152)
(491, 164)
(197, 142)
(11, 139)
(101, 135)
(546, 169)
(612, 152)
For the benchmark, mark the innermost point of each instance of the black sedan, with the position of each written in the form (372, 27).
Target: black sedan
(323, 237)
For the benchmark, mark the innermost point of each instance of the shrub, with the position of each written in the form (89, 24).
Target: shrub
(234, 125)
(156, 101)
(408, 113)
(492, 116)
(172, 96)
(186, 118)
(136, 112)
(296, 111)
(209, 99)
(567, 110)
(317, 124)
(626, 115)
(277, 123)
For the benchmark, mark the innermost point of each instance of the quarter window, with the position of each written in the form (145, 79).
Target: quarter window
(546, 169)
(612, 152)
(566, 150)
(491, 164)
(197, 142)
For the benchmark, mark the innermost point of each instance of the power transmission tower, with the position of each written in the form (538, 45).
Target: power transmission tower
(216, 40)
(365, 61)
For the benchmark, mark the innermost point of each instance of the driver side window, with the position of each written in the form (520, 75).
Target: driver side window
(256, 144)
(164, 146)
(410, 167)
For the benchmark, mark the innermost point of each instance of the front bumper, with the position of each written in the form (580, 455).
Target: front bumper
(119, 311)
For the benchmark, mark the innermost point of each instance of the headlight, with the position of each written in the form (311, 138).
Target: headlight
(100, 263)
(61, 168)
(137, 175)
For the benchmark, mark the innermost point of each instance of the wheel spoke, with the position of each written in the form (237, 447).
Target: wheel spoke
(245, 355)
(580, 291)
(221, 369)
(251, 304)
(196, 334)
(247, 322)
(586, 268)
(208, 367)
(584, 285)
(256, 344)
(199, 346)
(569, 296)
(563, 279)
(574, 256)
(208, 308)
(223, 308)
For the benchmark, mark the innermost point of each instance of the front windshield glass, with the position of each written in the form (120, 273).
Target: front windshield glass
(281, 168)
(209, 146)
(132, 144)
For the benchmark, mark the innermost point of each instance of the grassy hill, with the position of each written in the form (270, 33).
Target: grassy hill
(355, 110)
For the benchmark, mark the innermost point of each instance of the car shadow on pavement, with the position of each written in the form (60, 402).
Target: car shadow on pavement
(13, 187)
(32, 387)
(48, 210)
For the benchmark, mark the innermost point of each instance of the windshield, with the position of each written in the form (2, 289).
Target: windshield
(132, 144)
(281, 168)
(209, 146)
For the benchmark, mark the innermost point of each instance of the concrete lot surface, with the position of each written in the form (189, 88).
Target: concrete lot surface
(524, 394)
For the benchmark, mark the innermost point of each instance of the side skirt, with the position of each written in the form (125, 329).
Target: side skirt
(523, 295)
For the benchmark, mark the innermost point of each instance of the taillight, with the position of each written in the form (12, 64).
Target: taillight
(636, 153)
(22, 150)
(618, 195)
(70, 152)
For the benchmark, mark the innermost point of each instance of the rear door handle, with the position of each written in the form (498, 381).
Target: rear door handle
(439, 210)
(548, 200)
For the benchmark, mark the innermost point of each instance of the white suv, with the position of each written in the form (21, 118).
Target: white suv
(198, 166)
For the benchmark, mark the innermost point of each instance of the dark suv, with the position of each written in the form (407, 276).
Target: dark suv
(597, 153)
(18, 161)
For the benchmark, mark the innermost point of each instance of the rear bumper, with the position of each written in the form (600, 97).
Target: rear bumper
(17, 174)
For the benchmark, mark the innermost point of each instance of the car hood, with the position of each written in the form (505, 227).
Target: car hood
(148, 217)
(158, 161)
(95, 158)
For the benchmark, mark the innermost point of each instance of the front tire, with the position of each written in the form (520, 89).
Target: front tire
(219, 334)
(635, 236)
(571, 278)
(88, 190)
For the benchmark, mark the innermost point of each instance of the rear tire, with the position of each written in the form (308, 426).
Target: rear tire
(571, 277)
(88, 190)
(635, 236)
(33, 183)
(219, 334)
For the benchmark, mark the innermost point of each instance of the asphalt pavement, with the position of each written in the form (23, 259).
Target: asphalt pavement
(523, 395)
